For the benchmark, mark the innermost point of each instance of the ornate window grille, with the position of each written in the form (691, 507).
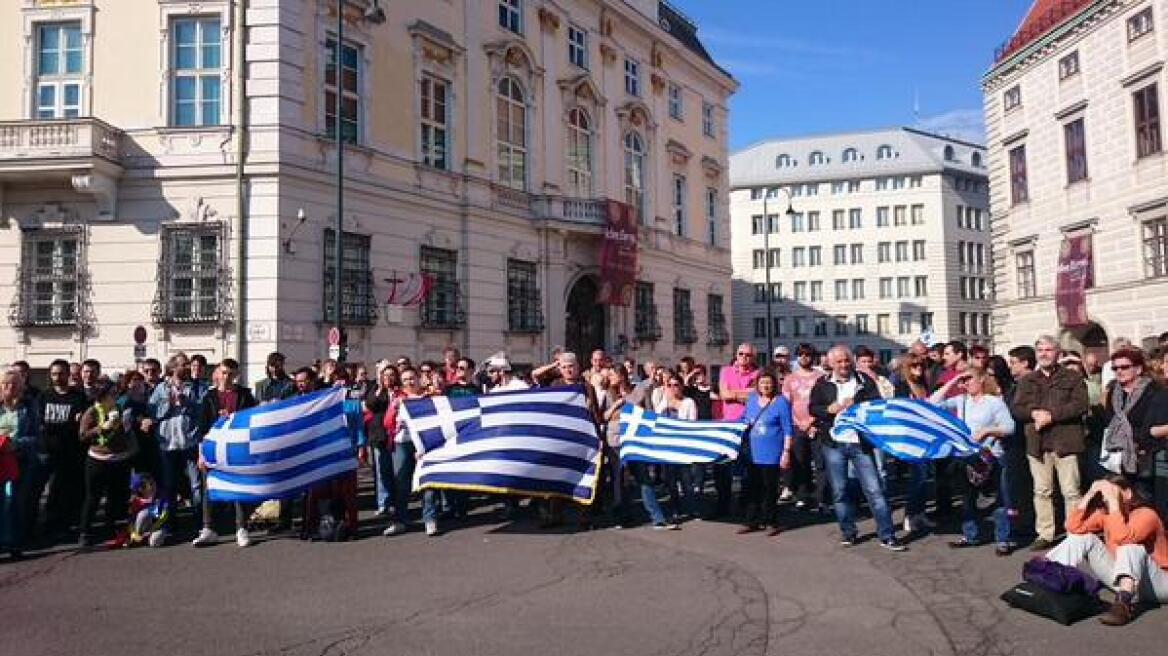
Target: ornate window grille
(646, 327)
(684, 331)
(443, 307)
(523, 298)
(50, 279)
(358, 305)
(716, 321)
(193, 280)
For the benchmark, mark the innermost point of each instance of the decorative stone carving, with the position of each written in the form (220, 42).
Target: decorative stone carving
(548, 20)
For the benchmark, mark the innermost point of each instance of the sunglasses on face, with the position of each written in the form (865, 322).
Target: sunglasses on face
(461, 367)
(674, 384)
(1122, 367)
(745, 355)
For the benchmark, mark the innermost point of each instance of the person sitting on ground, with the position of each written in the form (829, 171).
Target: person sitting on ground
(1132, 556)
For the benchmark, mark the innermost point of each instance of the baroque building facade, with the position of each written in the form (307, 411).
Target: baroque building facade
(171, 165)
(871, 238)
(1079, 179)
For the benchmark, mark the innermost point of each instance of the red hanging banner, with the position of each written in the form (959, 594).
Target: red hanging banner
(618, 255)
(1075, 276)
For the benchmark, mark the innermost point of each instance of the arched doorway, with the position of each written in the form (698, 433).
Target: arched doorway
(585, 318)
(1091, 338)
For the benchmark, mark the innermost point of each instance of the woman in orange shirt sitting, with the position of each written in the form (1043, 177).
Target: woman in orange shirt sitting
(1132, 556)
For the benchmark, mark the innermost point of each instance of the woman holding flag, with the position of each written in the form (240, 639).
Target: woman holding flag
(679, 478)
(769, 438)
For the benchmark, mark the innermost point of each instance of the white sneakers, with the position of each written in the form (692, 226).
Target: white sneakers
(915, 523)
(208, 537)
(431, 528)
(395, 528)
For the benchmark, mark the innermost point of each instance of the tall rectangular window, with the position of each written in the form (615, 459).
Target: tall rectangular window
(758, 258)
(841, 253)
(712, 216)
(861, 324)
(49, 278)
(800, 292)
(684, 331)
(1075, 141)
(921, 286)
(905, 323)
(1012, 98)
(884, 252)
(511, 15)
(773, 257)
(645, 323)
(841, 325)
(716, 321)
(434, 99)
(632, 77)
(1156, 248)
(189, 288)
(442, 308)
(837, 219)
(524, 313)
(814, 255)
(1146, 103)
(902, 289)
(918, 247)
(772, 223)
(881, 217)
(577, 47)
(760, 327)
(918, 214)
(350, 91)
(841, 290)
(902, 251)
(813, 221)
(1024, 268)
(357, 303)
(1140, 24)
(797, 222)
(60, 64)
(1068, 66)
(926, 320)
(196, 72)
(857, 253)
(756, 224)
(776, 291)
(882, 323)
(855, 219)
(816, 290)
(798, 255)
(886, 288)
(708, 119)
(858, 289)
(1019, 190)
(511, 148)
(679, 193)
(820, 327)
(760, 292)
(898, 215)
(799, 326)
(780, 327)
(676, 108)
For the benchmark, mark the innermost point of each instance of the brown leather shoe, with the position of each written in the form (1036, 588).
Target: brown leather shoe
(1120, 613)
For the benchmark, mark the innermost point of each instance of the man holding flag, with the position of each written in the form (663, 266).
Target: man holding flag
(832, 395)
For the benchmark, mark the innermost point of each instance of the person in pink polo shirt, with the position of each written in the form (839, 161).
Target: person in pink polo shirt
(735, 384)
(806, 479)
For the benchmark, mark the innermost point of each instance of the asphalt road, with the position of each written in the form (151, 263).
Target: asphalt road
(491, 587)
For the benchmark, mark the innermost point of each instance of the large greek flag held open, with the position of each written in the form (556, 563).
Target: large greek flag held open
(910, 430)
(647, 437)
(539, 443)
(278, 450)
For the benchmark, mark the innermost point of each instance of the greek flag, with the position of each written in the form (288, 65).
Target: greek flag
(648, 437)
(907, 429)
(539, 443)
(278, 450)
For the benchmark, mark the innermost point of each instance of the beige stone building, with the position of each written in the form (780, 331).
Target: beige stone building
(484, 137)
(866, 238)
(1074, 111)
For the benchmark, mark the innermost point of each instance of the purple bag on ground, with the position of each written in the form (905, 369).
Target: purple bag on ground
(1060, 578)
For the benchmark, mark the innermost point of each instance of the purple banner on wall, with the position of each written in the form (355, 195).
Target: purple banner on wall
(1075, 276)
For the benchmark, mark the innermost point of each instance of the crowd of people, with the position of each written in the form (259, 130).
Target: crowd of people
(129, 443)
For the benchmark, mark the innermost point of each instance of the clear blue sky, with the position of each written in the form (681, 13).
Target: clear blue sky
(823, 66)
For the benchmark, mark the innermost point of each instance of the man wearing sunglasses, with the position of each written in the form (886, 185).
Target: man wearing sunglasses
(806, 449)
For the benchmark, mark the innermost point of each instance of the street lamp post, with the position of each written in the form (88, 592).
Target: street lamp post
(766, 244)
(374, 15)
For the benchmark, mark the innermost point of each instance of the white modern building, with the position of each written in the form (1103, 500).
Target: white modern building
(170, 165)
(869, 238)
(1074, 108)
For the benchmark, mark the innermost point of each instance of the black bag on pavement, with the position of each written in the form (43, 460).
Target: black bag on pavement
(1066, 609)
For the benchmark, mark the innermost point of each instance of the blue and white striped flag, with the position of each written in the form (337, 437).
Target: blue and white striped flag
(909, 430)
(539, 443)
(648, 437)
(278, 450)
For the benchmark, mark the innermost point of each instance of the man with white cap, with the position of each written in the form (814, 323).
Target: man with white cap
(499, 372)
(781, 361)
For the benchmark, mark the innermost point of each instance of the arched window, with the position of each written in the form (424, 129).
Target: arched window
(782, 161)
(579, 153)
(949, 155)
(815, 159)
(884, 152)
(635, 174)
(511, 134)
(975, 160)
(851, 155)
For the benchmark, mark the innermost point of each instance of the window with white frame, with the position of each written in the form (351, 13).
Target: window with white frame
(841, 254)
(902, 251)
(1025, 273)
(350, 89)
(196, 62)
(579, 153)
(190, 274)
(886, 288)
(679, 193)
(1140, 24)
(918, 214)
(838, 219)
(898, 215)
(814, 255)
(884, 152)
(632, 77)
(851, 155)
(60, 70)
(857, 251)
(577, 47)
(921, 286)
(816, 290)
(712, 216)
(758, 258)
(1156, 247)
(50, 277)
(855, 219)
(760, 291)
(902, 287)
(841, 290)
(511, 134)
(676, 109)
(882, 217)
(434, 97)
(511, 15)
(861, 324)
(858, 289)
(708, 119)
(905, 323)
(918, 248)
(635, 174)
(883, 252)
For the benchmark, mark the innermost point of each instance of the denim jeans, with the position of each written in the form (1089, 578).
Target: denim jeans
(172, 466)
(648, 493)
(383, 469)
(403, 480)
(917, 494)
(838, 458)
(1001, 514)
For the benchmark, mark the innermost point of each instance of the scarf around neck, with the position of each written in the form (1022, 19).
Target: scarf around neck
(1120, 436)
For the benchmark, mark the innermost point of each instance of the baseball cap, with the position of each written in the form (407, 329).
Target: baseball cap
(500, 362)
(782, 350)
